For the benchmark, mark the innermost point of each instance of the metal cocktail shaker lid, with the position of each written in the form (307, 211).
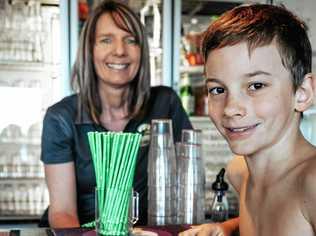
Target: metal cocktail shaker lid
(161, 126)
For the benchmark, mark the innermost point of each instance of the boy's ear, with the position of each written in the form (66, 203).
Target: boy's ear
(305, 93)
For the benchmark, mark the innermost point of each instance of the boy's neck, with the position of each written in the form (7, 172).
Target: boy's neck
(270, 165)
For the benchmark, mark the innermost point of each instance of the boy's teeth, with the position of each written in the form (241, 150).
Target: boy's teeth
(238, 129)
(242, 129)
(117, 66)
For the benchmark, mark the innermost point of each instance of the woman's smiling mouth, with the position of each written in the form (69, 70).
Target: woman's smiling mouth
(117, 66)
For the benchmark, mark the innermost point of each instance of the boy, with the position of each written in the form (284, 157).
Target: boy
(257, 66)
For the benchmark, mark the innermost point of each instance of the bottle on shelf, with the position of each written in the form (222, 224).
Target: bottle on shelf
(191, 42)
(186, 94)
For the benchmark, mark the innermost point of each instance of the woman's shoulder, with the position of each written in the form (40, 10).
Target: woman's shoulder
(65, 107)
(162, 90)
(164, 97)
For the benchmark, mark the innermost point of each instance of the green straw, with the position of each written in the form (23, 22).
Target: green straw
(114, 158)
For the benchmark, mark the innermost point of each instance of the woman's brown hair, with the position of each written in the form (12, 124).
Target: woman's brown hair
(84, 77)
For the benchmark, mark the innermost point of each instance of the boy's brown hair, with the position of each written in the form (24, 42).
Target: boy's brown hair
(259, 25)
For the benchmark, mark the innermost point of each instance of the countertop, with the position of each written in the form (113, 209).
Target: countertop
(171, 230)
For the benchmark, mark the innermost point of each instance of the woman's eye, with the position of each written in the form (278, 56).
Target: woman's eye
(256, 86)
(131, 40)
(105, 40)
(216, 90)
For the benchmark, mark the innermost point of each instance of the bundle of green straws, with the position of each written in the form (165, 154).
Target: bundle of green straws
(114, 159)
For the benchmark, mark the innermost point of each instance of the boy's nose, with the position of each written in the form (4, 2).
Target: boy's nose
(235, 106)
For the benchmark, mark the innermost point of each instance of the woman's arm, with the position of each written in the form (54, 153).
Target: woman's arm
(61, 184)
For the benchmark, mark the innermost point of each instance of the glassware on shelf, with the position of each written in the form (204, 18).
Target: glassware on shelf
(15, 165)
(22, 31)
(23, 198)
(3, 163)
(34, 133)
(11, 133)
(19, 155)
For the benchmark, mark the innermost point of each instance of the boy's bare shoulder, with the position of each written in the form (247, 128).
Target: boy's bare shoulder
(236, 171)
(308, 190)
(308, 172)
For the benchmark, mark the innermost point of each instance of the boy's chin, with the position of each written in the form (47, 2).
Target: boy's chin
(241, 150)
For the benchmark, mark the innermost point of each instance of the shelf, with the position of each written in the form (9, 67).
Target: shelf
(20, 142)
(50, 2)
(199, 69)
(200, 119)
(26, 66)
(22, 180)
(20, 217)
(46, 2)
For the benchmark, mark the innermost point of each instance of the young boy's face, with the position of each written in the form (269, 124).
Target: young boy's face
(250, 97)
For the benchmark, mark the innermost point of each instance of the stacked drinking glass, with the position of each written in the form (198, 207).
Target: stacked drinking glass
(190, 178)
(161, 174)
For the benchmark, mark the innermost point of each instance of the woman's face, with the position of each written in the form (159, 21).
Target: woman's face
(116, 54)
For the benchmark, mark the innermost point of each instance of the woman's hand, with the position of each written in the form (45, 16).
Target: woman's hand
(212, 229)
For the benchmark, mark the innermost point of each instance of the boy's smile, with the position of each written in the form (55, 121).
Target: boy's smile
(251, 100)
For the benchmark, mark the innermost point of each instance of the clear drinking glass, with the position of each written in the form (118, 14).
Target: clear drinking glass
(161, 174)
(116, 211)
(191, 179)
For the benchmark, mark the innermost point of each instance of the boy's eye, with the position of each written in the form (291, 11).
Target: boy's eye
(216, 90)
(256, 86)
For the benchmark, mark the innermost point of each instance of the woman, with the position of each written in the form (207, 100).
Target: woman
(112, 77)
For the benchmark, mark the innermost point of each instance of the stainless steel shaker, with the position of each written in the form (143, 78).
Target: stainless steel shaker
(191, 179)
(161, 174)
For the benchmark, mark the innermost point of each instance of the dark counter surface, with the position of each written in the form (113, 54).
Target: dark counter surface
(171, 230)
